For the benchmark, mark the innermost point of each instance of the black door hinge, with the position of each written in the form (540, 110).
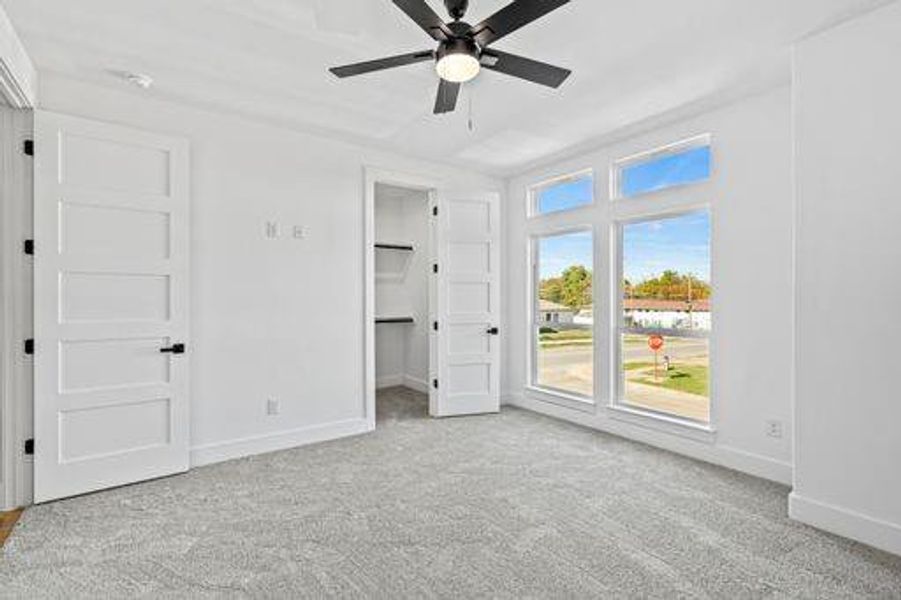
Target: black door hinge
(434, 211)
(435, 383)
(28, 147)
(435, 268)
(435, 325)
(28, 246)
(29, 447)
(29, 346)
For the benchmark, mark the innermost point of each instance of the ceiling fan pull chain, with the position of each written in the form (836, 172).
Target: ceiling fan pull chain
(471, 128)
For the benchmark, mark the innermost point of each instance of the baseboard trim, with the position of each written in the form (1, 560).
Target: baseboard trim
(414, 383)
(388, 381)
(846, 523)
(272, 442)
(752, 464)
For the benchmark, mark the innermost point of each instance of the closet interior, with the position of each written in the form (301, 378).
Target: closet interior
(403, 251)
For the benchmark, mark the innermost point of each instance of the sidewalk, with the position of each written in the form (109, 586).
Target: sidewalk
(672, 402)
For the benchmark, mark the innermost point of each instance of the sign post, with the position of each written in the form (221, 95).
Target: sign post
(655, 343)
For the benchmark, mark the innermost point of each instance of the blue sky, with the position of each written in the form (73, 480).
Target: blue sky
(689, 166)
(563, 251)
(679, 243)
(570, 194)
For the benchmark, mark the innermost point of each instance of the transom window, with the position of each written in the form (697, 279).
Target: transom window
(566, 193)
(680, 164)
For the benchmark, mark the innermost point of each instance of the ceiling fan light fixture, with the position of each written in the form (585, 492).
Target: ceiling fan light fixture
(458, 68)
(458, 61)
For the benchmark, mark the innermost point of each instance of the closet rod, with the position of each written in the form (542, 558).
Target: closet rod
(405, 247)
(385, 320)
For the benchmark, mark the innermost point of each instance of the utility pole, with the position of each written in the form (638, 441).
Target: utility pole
(691, 321)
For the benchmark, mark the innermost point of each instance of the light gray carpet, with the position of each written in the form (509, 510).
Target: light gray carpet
(515, 505)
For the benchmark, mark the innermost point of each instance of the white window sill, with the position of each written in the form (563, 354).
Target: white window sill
(663, 423)
(580, 403)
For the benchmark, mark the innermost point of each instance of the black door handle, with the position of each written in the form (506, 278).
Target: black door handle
(174, 349)
(493, 331)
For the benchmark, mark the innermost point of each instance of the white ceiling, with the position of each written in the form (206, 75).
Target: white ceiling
(633, 60)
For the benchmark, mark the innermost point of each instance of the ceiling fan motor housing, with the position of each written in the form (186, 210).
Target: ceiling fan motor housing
(460, 45)
(456, 8)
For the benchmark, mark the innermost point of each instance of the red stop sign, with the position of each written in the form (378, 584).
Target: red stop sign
(655, 342)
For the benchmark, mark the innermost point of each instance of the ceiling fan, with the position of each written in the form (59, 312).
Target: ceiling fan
(463, 49)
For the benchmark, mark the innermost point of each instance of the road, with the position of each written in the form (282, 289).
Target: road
(566, 356)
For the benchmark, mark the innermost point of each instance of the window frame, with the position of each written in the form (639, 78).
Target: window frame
(534, 323)
(535, 189)
(618, 328)
(704, 140)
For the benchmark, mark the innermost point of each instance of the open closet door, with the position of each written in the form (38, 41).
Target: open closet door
(467, 299)
(110, 306)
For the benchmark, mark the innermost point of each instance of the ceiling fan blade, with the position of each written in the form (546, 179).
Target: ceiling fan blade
(426, 18)
(524, 68)
(447, 97)
(512, 17)
(383, 63)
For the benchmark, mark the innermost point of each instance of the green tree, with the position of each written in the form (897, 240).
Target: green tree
(551, 290)
(670, 285)
(576, 291)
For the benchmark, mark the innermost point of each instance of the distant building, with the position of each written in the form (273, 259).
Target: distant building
(667, 314)
(651, 313)
(584, 316)
(552, 313)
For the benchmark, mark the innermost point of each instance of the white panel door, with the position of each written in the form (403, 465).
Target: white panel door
(110, 306)
(468, 304)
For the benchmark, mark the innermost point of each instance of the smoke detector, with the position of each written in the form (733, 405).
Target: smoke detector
(138, 79)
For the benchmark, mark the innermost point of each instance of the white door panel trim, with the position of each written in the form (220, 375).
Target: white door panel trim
(111, 212)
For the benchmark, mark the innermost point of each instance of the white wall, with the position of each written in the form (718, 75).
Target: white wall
(258, 305)
(848, 403)
(750, 196)
(401, 287)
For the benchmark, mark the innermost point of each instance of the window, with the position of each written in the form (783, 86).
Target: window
(665, 322)
(563, 194)
(563, 325)
(680, 164)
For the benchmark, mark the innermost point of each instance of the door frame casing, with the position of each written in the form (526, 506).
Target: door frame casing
(371, 177)
(15, 307)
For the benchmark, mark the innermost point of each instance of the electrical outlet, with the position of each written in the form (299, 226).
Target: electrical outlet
(774, 429)
(272, 406)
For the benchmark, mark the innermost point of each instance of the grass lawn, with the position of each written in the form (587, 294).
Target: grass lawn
(634, 366)
(569, 337)
(691, 379)
(569, 334)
